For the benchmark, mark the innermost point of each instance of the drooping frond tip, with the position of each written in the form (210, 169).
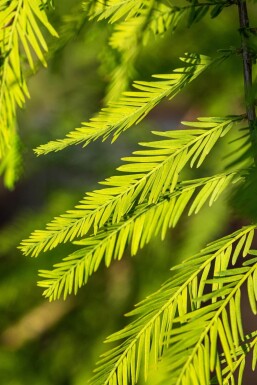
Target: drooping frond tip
(132, 107)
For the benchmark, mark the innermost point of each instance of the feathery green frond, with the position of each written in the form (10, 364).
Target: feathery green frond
(132, 107)
(19, 36)
(148, 174)
(174, 321)
(135, 230)
(114, 9)
(194, 324)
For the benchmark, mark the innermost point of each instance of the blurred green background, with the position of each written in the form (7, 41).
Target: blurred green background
(58, 343)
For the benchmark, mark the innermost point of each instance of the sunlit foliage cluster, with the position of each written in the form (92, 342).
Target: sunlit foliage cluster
(192, 330)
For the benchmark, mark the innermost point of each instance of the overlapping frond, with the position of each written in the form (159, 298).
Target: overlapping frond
(132, 107)
(135, 231)
(220, 322)
(20, 36)
(177, 322)
(228, 374)
(249, 345)
(148, 174)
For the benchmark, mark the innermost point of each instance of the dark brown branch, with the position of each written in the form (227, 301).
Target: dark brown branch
(247, 61)
(245, 30)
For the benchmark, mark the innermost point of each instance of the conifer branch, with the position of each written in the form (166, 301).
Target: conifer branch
(247, 56)
(174, 320)
(195, 318)
(148, 175)
(136, 230)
